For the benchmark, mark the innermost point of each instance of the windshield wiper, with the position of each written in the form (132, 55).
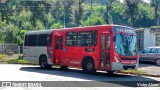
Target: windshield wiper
(131, 39)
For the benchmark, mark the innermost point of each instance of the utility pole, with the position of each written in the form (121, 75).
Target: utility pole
(17, 18)
(64, 17)
(64, 14)
(79, 3)
(91, 6)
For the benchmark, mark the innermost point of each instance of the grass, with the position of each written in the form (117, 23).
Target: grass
(3, 57)
(133, 71)
(17, 61)
(6, 59)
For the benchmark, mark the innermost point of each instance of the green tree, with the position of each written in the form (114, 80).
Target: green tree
(117, 14)
(38, 9)
(145, 16)
(24, 20)
(78, 11)
(108, 9)
(93, 20)
(156, 4)
(7, 9)
(132, 10)
(20, 37)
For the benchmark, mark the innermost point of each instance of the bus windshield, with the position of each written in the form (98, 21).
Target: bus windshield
(125, 44)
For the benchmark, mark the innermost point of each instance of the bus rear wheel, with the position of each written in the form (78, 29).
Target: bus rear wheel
(88, 66)
(43, 63)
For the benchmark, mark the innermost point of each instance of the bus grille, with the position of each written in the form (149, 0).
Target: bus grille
(129, 58)
(132, 67)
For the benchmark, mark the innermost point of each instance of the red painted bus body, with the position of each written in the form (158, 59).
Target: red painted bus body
(104, 47)
(73, 55)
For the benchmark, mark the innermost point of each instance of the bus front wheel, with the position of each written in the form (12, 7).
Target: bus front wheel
(88, 66)
(43, 63)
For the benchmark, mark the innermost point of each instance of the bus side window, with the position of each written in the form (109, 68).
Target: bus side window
(84, 38)
(95, 36)
(32, 40)
(43, 40)
(71, 38)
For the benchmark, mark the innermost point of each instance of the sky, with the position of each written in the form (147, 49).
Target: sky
(144, 1)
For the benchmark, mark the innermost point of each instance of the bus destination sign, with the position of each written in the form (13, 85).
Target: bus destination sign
(125, 30)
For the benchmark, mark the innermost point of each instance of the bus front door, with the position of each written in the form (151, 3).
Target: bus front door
(58, 49)
(105, 63)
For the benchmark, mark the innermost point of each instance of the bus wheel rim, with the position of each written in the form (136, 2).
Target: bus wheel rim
(43, 63)
(89, 66)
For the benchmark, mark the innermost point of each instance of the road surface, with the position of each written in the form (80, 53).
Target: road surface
(12, 72)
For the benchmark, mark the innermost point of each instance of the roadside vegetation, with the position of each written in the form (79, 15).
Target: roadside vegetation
(19, 16)
(133, 71)
(6, 59)
(3, 58)
(138, 72)
(17, 61)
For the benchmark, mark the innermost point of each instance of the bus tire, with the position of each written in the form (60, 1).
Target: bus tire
(43, 63)
(88, 66)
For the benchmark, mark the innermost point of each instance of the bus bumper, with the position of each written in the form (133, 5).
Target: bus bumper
(120, 66)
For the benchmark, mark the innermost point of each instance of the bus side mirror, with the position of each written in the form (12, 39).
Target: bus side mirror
(114, 39)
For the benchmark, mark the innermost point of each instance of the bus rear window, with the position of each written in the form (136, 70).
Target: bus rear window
(26, 40)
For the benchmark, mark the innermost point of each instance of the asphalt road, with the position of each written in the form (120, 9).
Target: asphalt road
(11, 72)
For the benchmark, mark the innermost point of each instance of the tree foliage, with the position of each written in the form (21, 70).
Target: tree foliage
(19, 16)
(156, 5)
(131, 10)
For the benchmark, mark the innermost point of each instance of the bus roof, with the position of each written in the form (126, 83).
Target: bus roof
(62, 29)
(106, 25)
(39, 32)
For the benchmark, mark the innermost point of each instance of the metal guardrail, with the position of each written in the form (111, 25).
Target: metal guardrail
(9, 48)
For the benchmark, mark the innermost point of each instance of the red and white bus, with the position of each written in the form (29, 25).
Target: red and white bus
(104, 47)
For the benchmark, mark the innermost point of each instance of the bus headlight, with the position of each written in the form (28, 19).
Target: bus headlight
(116, 59)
